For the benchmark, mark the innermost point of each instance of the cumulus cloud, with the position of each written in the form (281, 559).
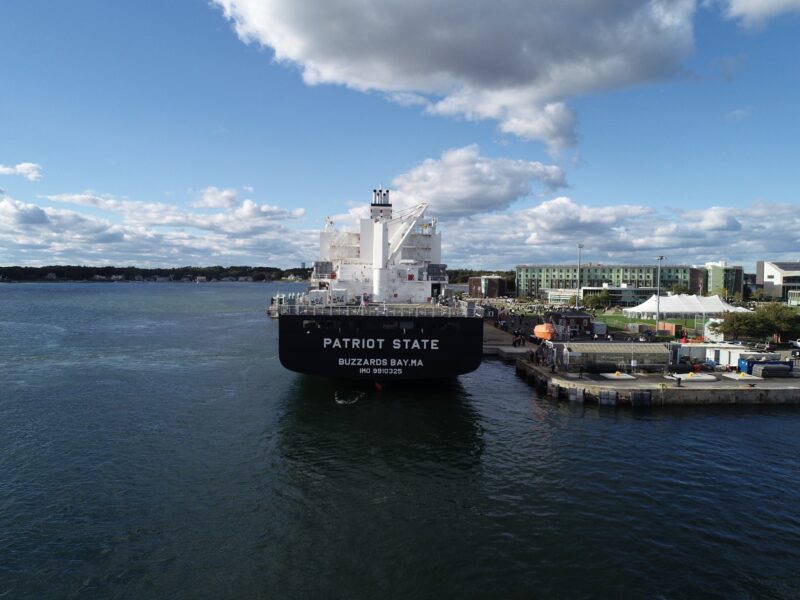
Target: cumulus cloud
(15, 213)
(517, 62)
(490, 220)
(755, 12)
(550, 231)
(32, 234)
(462, 182)
(213, 197)
(28, 170)
(715, 218)
(242, 219)
(545, 231)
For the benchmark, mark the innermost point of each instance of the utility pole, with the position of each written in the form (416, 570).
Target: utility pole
(578, 291)
(658, 291)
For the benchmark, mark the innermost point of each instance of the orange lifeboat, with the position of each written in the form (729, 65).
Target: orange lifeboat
(545, 331)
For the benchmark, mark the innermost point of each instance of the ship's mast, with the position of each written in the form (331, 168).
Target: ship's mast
(385, 249)
(381, 214)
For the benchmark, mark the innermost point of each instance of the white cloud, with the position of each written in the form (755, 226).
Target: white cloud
(15, 213)
(213, 197)
(715, 218)
(550, 231)
(738, 114)
(547, 231)
(245, 219)
(31, 234)
(28, 170)
(516, 62)
(462, 182)
(755, 12)
(490, 219)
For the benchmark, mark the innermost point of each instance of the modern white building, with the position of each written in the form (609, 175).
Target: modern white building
(777, 279)
(793, 298)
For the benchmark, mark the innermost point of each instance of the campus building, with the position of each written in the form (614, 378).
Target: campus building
(536, 280)
(778, 279)
(723, 279)
(487, 286)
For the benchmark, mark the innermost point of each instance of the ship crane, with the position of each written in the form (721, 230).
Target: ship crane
(408, 222)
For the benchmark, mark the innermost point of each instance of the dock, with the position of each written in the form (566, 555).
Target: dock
(639, 389)
(655, 389)
(499, 344)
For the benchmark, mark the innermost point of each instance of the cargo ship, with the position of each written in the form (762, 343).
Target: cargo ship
(377, 306)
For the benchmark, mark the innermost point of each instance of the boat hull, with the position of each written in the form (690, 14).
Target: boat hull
(380, 348)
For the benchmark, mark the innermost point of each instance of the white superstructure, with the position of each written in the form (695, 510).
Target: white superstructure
(391, 258)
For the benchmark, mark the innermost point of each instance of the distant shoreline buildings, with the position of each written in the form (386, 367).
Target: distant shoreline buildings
(55, 273)
(553, 283)
(630, 284)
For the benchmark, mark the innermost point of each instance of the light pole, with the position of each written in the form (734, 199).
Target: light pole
(658, 291)
(578, 291)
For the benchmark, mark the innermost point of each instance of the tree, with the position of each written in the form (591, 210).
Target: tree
(773, 320)
(599, 300)
(736, 325)
(777, 320)
(679, 289)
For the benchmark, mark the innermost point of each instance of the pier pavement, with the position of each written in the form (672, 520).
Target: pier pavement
(657, 389)
(640, 388)
(497, 342)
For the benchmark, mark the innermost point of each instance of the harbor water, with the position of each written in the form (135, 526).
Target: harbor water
(152, 446)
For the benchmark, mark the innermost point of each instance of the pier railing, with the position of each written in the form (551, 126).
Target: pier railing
(382, 310)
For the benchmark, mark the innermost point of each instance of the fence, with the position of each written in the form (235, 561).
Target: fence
(381, 310)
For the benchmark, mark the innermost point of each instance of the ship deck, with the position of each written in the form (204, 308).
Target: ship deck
(382, 310)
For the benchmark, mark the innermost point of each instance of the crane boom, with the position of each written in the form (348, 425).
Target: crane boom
(408, 222)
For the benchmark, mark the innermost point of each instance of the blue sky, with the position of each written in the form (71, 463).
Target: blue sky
(223, 132)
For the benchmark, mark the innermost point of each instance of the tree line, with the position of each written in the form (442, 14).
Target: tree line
(776, 321)
(130, 273)
(86, 273)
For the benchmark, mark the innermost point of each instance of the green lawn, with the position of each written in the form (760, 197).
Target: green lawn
(618, 322)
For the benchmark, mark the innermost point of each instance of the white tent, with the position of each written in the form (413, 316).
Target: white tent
(682, 305)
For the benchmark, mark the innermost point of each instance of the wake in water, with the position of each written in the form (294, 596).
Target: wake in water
(345, 397)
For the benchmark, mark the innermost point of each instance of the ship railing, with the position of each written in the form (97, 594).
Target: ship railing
(381, 310)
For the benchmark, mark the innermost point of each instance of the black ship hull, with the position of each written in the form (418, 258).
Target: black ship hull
(380, 348)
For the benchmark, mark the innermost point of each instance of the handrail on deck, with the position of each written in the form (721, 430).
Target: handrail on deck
(380, 310)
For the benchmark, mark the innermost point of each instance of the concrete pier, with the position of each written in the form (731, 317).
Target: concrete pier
(658, 390)
(639, 389)
(499, 343)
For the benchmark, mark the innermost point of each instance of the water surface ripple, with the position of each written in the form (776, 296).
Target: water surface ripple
(151, 446)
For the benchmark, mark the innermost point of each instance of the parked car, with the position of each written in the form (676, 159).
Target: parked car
(795, 343)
